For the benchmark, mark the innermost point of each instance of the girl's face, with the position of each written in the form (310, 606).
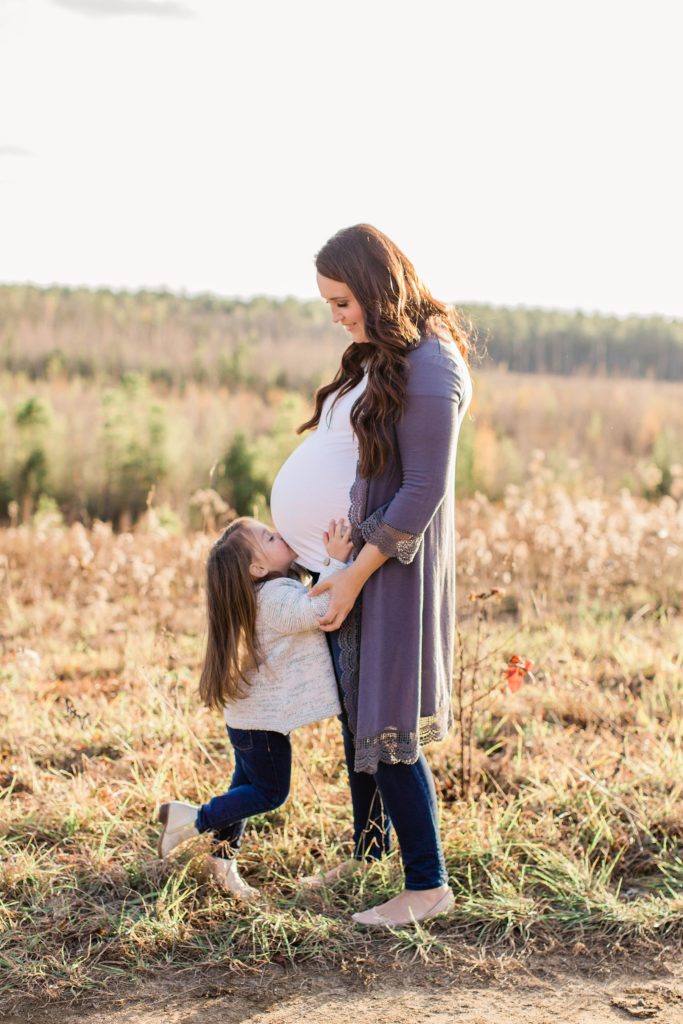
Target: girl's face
(271, 553)
(346, 309)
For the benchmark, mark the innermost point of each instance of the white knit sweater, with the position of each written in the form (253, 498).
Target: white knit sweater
(295, 684)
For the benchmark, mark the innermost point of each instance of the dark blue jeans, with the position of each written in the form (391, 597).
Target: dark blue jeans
(260, 782)
(402, 794)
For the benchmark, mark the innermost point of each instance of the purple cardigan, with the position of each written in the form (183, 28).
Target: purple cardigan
(397, 643)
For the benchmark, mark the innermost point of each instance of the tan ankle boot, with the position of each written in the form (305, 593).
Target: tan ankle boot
(178, 821)
(226, 875)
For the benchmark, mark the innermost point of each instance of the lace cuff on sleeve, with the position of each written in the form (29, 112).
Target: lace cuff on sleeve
(391, 542)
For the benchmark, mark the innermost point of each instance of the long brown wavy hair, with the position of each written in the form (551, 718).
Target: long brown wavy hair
(398, 310)
(231, 645)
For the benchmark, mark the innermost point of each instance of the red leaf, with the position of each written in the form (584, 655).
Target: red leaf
(516, 671)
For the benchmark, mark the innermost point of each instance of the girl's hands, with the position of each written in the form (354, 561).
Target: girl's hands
(337, 540)
(344, 587)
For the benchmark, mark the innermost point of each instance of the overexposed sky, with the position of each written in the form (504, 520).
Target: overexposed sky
(519, 151)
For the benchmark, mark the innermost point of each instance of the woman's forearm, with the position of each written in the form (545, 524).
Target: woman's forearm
(345, 586)
(368, 561)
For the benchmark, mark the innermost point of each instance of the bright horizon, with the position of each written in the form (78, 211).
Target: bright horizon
(521, 155)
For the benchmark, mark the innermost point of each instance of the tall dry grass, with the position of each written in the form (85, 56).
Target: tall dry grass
(573, 834)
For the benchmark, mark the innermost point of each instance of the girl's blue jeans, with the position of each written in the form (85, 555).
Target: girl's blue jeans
(402, 794)
(260, 783)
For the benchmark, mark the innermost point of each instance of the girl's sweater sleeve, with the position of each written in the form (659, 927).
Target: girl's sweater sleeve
(285, 606)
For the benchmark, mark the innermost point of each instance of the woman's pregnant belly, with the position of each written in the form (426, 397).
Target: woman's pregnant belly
(311, 488)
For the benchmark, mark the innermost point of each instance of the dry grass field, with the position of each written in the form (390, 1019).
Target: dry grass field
(569, 842)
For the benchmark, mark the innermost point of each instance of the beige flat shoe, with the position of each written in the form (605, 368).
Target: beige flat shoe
(373, 918)
(324, 878)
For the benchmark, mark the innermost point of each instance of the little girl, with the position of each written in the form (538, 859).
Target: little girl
(268, 666)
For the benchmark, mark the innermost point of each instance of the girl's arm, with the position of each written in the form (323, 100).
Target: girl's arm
(287, 607)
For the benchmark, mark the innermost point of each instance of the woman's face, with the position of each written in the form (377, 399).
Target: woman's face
(345, 307)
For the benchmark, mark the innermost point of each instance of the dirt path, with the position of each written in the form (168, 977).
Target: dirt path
(403, 996)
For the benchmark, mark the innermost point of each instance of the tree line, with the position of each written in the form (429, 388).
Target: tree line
(262, 342)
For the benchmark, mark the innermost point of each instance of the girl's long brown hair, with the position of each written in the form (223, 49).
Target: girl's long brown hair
(231, 611)
(398, 310)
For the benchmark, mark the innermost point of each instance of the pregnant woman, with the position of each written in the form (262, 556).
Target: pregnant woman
(383, 454)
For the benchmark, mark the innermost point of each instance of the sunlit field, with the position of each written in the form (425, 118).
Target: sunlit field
(95, 450)
(569, 835)
(561, 800)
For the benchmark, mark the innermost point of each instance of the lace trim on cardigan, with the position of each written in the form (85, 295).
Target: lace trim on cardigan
(349, 660)
(390, 541)
(349, 631)
(391, 746)
(358, 496)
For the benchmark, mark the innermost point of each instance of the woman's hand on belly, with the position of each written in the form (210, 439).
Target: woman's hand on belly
(343, 588)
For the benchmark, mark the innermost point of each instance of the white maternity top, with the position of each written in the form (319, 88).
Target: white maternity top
(313, 484)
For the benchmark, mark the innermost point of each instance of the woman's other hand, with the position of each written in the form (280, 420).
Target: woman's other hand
(337, 540)
(343, 588)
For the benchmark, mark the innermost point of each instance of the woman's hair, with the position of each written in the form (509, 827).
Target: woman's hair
(231, 643)
(398, 310)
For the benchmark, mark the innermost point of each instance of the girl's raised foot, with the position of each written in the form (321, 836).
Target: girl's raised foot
(178, 820)
(226, 875)
(409, 907)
